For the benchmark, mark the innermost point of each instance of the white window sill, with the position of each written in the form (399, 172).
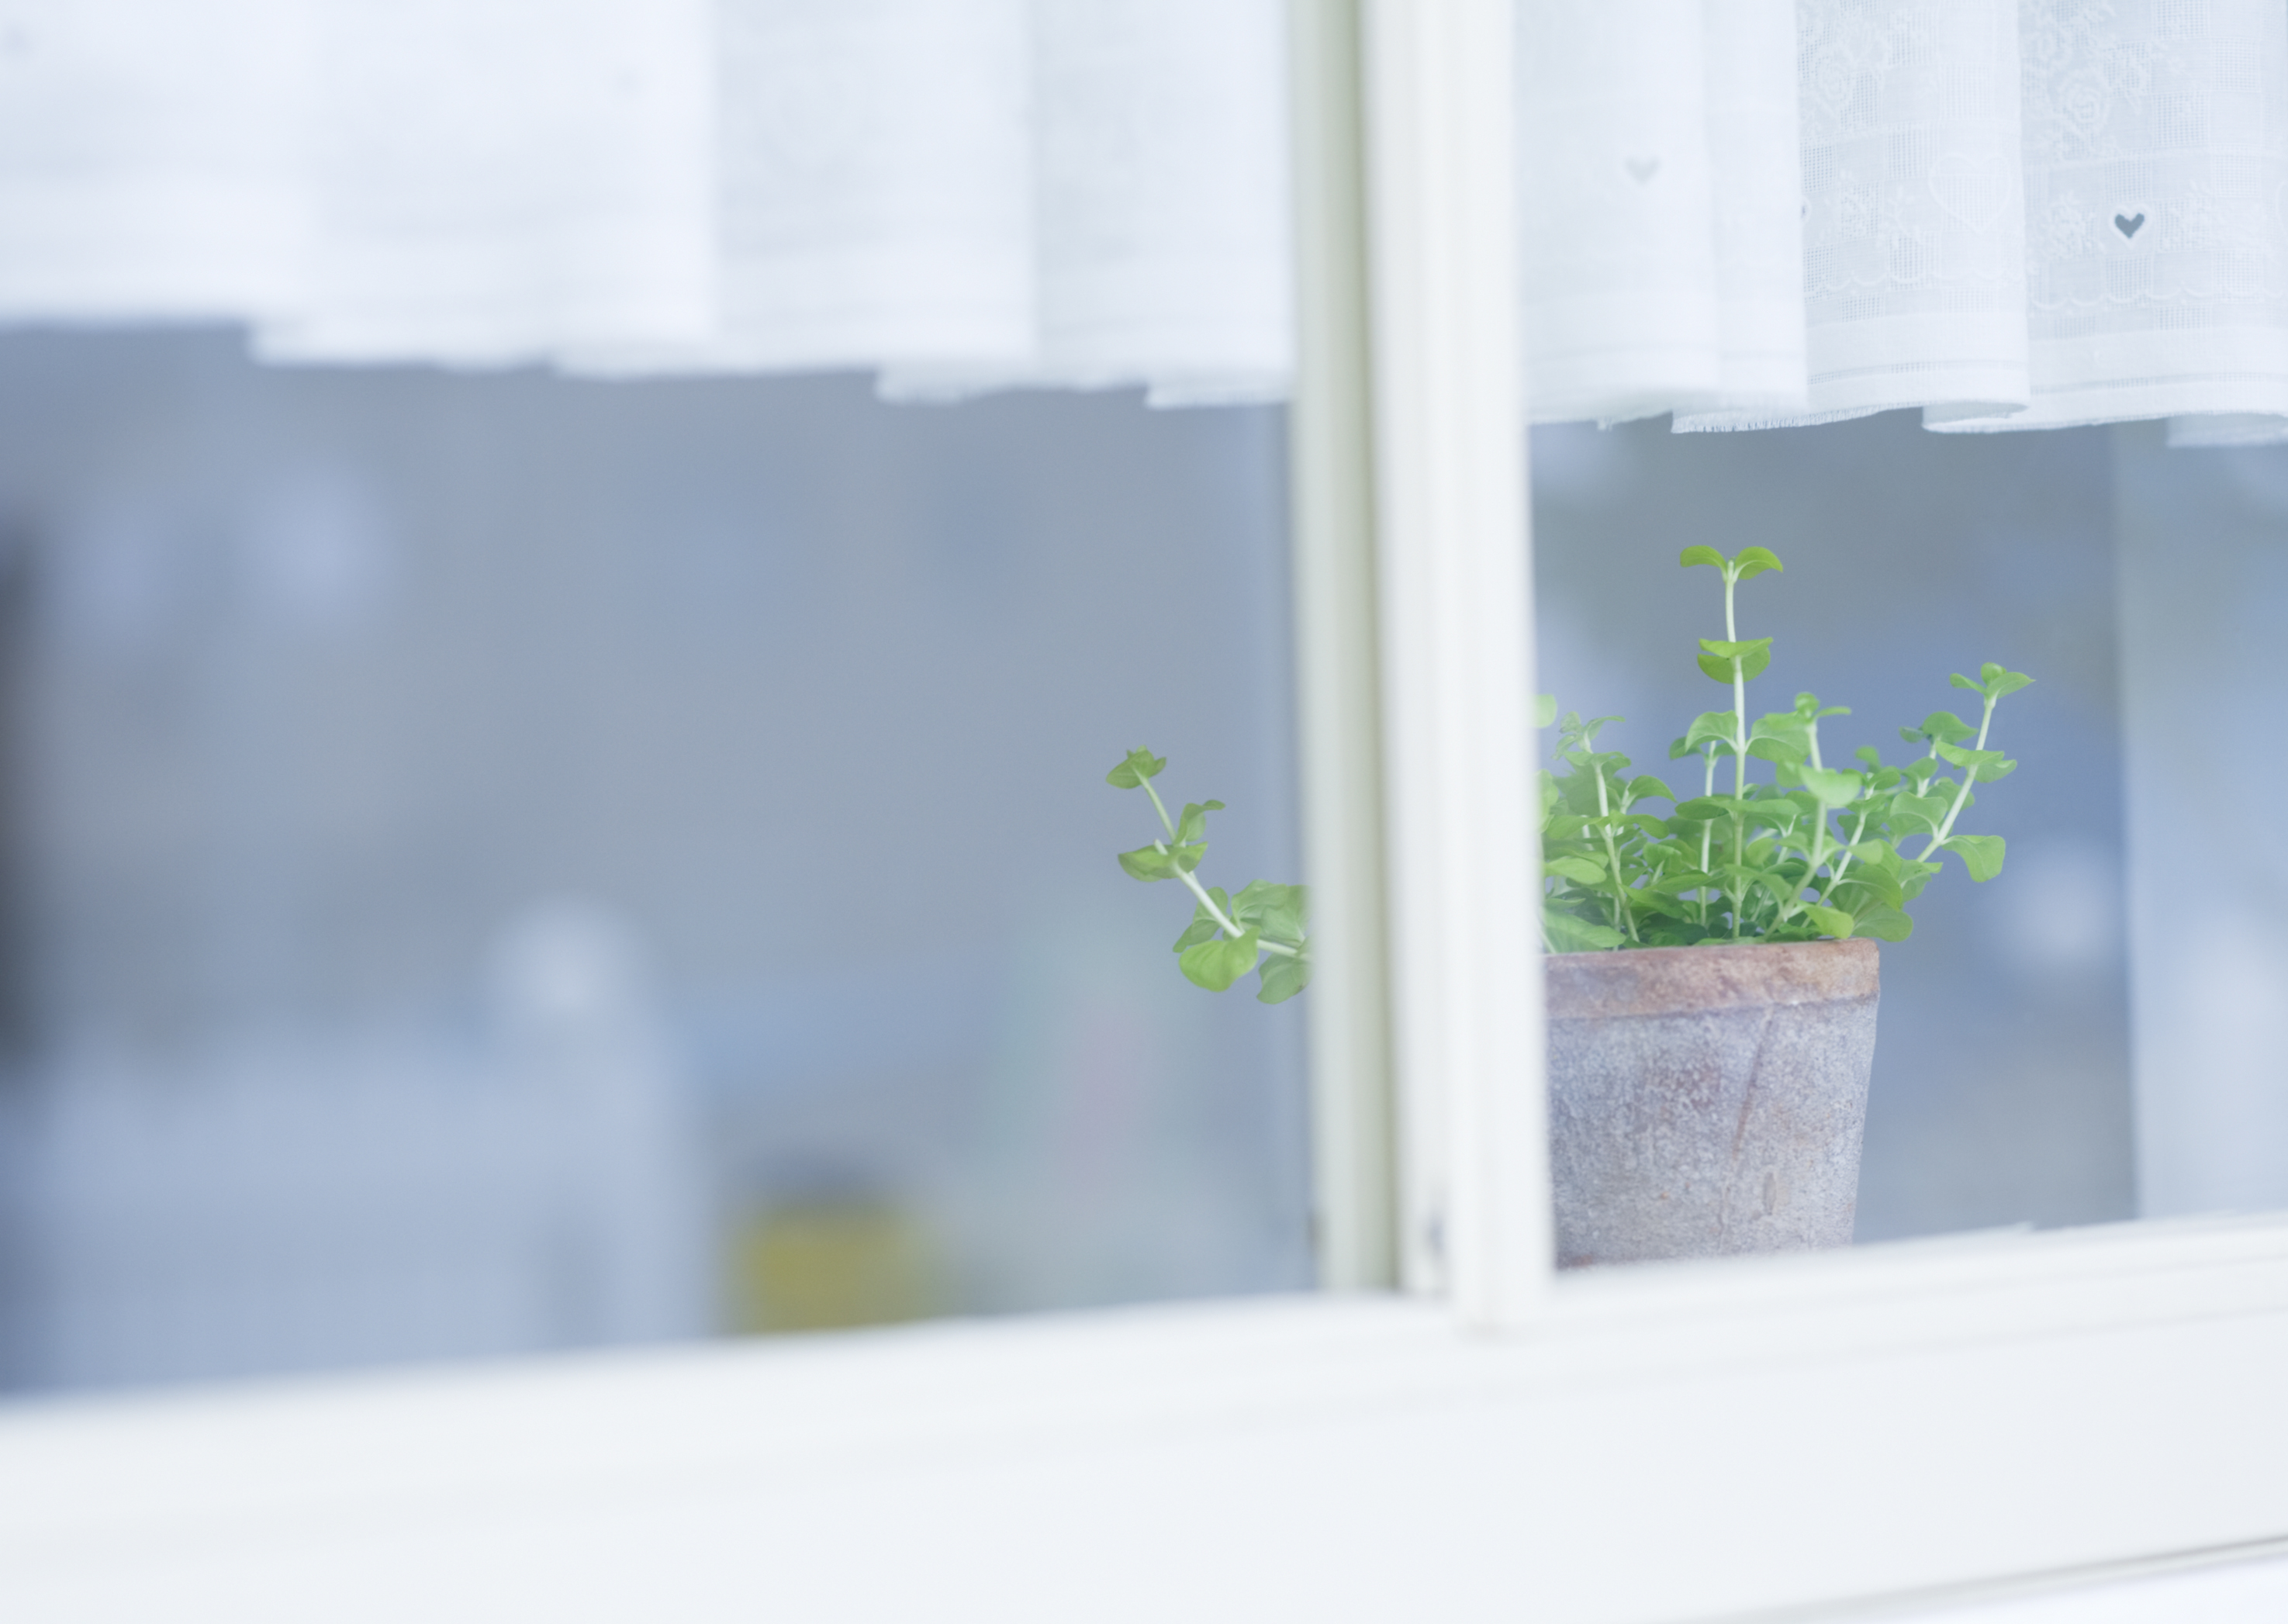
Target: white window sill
(1916, 1422)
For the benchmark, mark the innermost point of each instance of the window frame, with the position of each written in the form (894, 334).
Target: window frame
(1894, 1427)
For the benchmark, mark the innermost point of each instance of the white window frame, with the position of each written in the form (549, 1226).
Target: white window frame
(1897, 1427)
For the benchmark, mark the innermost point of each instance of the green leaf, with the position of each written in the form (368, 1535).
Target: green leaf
(1999, 681)
(1716, 657)
(1644, 901)
(1779, 883)
(1942, 726)
(1193, 824)
(1158, 863)
(1215, 965)
(1832, 787)
(1831, 921)
(1960, 681)
(1148, 863)
(1646, 787)
(1580, 870)
(1919, 812)
(1571, 935)
(1754, 561)
(1711, 808)
(1985, 766)
(1586, 732)
(1204, 927)
(1620, 824)
(1868, 886)
(1282, 977)
(1887, 924)
(1134, 768)
(1693, 557)
(1717, 725)
(1981, 855)
(1281, 913)
(1544, 710)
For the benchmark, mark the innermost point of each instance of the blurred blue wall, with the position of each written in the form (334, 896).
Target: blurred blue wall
(324, 684)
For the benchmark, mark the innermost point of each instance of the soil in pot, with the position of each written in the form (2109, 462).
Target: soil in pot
(1706, 1101)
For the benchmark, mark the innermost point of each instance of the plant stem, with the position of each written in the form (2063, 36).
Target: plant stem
(1625, 918)
(1969, 774)
(1739, 748)
(1707, 830)
(1844, 866)
(1222, 923)
(1818, 853)
(1194, 886)
(1166, 822)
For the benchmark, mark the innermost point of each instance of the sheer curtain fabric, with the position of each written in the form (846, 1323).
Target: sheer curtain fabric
(2017, 215)
(2157, 177)
(2010, 214)
(964, 195)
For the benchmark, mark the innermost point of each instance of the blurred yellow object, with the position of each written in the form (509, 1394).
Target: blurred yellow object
(827, 1266)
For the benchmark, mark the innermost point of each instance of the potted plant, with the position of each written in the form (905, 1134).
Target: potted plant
(1712, 973)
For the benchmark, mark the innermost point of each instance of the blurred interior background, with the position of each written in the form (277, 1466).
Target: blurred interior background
(502, 862)
(493, 863)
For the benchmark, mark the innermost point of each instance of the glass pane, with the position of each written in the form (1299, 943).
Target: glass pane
(2203, 596)
(2001, 1090)
(500, 863)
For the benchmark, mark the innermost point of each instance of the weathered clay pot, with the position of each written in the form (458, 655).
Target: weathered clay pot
(1708, 1100)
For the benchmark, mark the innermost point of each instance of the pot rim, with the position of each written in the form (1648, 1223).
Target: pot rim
(1645, 981)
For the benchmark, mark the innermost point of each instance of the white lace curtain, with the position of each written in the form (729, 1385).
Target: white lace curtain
(2011, 214)
(962, 194)
(2007, 213)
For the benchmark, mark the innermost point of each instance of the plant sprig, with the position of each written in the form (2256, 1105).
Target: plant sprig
(1818, 852)
(1265, 928)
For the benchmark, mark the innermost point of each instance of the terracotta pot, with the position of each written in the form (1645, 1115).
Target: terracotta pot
(1708, 1100)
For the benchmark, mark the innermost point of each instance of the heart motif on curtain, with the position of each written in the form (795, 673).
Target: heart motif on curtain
(1641, 169)
(1973, 189)
(2127, 224)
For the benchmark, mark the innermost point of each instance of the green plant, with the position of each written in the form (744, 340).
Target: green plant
(1228, 935)
(1819, 852)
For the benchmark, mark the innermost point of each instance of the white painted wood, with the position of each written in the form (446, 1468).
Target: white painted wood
(1920, 1423)
(1338, 672)
(1457, 661)
(1963, 1428)
(2249, 1592)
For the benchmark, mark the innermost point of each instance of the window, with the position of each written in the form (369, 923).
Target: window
(1900, 1426)
(511, 863)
